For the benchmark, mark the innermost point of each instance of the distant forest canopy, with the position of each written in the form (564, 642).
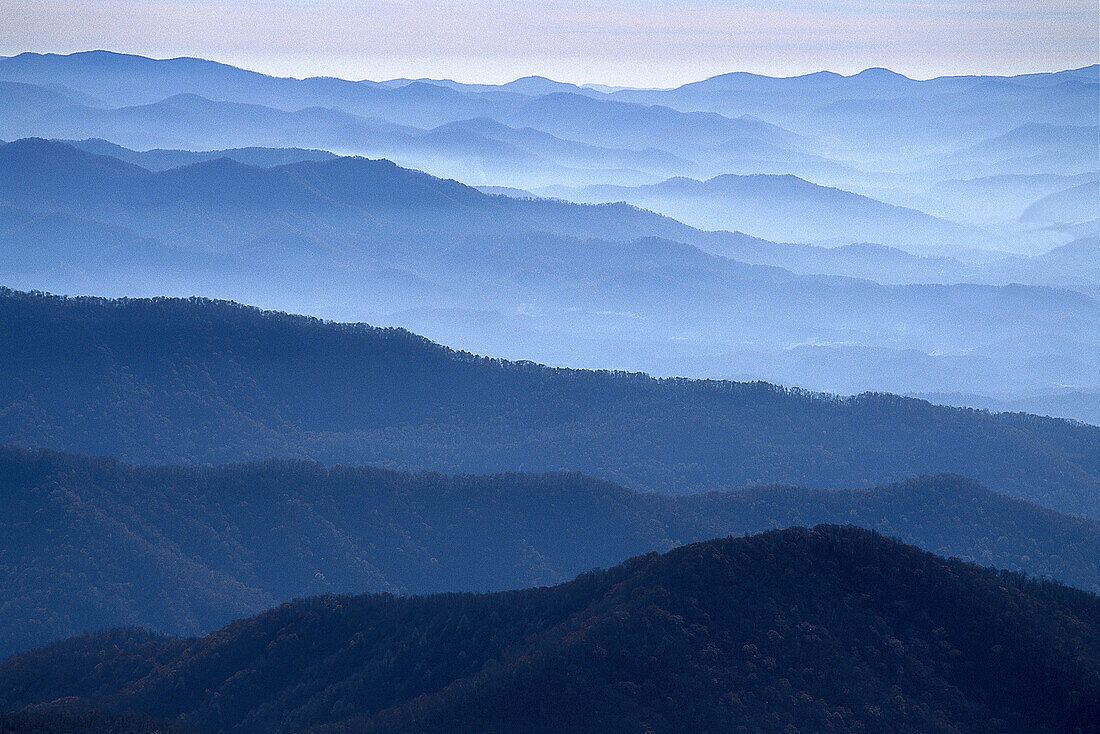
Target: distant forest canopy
(824, 630)
(87, 539)
(198, 382)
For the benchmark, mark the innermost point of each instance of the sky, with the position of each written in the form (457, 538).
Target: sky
(617, 42)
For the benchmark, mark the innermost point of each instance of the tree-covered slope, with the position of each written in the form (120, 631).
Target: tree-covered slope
(64, 718)
(195, 381)
(91, 543)
(828, 629)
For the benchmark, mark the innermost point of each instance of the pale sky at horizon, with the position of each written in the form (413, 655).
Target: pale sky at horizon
(643, 42)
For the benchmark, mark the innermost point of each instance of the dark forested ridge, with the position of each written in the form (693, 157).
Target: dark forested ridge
(820, 630)
(87, 539)
(195, 381)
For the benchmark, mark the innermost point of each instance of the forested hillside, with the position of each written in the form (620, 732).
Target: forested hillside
(195, 381)
(87, 538)
(66, 719)
(818, 630)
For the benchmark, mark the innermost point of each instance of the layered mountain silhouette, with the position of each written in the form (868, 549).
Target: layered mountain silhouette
(607, 285)
(999, 198)
(874, 114)
(832, 130)
(420, 124)
(835, 130)
(799, 629)
(1074, 205)
(162, 160)
(195, 381)
(785, 209)
(89, 537)
(170, 463)
(1038, 148)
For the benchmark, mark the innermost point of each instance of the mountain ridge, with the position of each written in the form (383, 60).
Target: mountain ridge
(387, 396)
(228, 541)
(925, 644)
(108, 55)
(783, 208)
(587, 285)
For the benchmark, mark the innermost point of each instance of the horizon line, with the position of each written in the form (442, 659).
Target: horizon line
(590, 85)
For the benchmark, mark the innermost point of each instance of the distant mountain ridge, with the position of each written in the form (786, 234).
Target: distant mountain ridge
(162, 160)
(1077, 204)
(782, 208)
(822, 111)
(614, 286)
(606, 285)
(92, 65)
(169, 104)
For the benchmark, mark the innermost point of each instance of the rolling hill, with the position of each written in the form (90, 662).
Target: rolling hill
(87, 536)
(1071, 206)
(1059, 146)
(880, 118)
(784, 209)
(992, 198)
(827, 629)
